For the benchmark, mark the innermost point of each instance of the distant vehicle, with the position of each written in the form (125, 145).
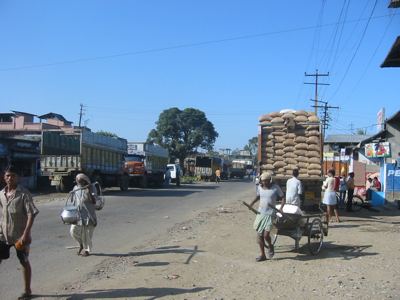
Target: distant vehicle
(145, 163)
(239, 168)
(65, 154)
(206, 166)
(175, 173)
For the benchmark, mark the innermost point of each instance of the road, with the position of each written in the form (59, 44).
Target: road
(129, 220)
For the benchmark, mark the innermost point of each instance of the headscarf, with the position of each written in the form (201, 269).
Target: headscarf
(83, 177)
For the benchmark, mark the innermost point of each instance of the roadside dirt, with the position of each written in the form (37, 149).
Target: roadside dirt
(213, 257)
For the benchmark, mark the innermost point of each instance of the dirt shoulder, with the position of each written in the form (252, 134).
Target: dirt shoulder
(213, 257)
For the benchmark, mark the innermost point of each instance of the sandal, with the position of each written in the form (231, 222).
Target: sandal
(261, 258)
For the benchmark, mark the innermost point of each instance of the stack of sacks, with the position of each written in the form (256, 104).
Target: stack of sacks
(290, 140)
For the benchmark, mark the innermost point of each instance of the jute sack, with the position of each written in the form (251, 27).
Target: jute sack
(315, 160)
(291, 136)
(312, 127)
(313, 119)
(280, 139)
(279, 164)
(312, 133)
(275, 114)
(267, 167)
(270, 136)
(290, 167)
(312, 154)
(301, 146)
(313, 140)
(289, 149)
(301, 118)
(300, 139)
(288, 143)
(280, 152)
(303, 166)
(314, 167)
(269, 143)
(278, 133)
(280, 170)
(278, 146)
(277, 120)
(303, 159)
(300, 152)
(290, 161)
(290, 155)
(288, 116)
(314, 172)
(301, 113)
(264, 118)
(314, 147)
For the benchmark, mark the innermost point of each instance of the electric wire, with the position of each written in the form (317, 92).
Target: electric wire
(169, 48)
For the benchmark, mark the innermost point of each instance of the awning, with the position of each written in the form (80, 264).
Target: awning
(393, 57)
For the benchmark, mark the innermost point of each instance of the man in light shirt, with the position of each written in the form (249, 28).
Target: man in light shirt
(294, 189)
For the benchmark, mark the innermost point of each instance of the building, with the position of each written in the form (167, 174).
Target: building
(383, 149)
(20, 136)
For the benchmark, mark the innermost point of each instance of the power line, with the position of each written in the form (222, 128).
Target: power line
(325, 114)
(316, 75)
(356, 51)
(182, 46)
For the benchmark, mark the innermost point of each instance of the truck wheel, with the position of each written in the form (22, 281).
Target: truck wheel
(124, 183)
(65, 185)
(144, 182)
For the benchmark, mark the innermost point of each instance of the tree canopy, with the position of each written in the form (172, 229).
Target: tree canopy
(182, 132)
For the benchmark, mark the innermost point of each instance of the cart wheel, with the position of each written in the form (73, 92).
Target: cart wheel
(274, 236)
(315, 236)
(357, 202)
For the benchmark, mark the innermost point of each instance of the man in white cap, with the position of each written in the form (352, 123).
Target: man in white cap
(268, 194)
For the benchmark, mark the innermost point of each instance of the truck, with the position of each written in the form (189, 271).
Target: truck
(241, 168)
(205, 167)
(289, 140)
(64, 154)
(145, 163)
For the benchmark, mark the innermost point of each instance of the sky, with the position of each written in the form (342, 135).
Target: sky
(127, 61)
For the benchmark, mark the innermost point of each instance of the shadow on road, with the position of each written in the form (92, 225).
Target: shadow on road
(162, 250)
(330, 250)
(151, 293)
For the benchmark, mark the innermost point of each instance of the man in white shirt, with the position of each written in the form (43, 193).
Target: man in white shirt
(294, 189)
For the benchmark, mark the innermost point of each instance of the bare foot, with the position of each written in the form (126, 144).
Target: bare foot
(86, 253)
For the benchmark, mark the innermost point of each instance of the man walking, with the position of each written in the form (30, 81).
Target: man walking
(18, 213)
(294, 189)
(350, 191)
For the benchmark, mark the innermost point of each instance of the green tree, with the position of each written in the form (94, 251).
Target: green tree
(182, 132)
(107, 133)
(252, 146)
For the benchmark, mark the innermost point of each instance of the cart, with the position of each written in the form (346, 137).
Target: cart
(309, 224)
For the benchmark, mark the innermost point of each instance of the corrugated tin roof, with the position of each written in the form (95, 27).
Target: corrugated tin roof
(345, 138)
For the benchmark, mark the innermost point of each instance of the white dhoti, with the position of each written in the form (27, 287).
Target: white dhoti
(83, 235)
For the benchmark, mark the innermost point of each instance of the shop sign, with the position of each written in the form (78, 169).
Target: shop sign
(374, 150)
(392, 178)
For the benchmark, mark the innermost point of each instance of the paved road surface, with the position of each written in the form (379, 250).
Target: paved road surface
(129, 220)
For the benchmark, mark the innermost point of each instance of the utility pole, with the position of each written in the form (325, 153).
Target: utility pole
(316, 83)
(81, 113)
(325, 114)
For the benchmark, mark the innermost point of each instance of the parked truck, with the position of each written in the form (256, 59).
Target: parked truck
(65, 154)
(205, 167)
(146, 163)
(240, 168)
(290, 140)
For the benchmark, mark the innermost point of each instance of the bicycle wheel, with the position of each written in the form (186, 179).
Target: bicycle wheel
(315, 236)
(357, 202)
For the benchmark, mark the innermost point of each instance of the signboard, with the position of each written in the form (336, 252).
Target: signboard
(380, 119)
(392, 178)
(374, 150)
